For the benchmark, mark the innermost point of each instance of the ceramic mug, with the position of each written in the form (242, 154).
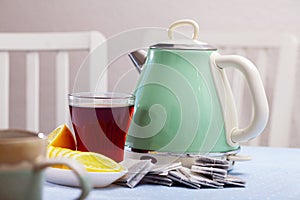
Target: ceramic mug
(22, 164)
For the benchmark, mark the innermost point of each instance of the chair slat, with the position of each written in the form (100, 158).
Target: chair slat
(98, 71)
(62, 87)
(4, 90)
(283, 97)
(262, 63)
(32, 92)
(45, 41)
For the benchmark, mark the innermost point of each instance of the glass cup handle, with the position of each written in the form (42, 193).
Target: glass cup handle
(75, 166)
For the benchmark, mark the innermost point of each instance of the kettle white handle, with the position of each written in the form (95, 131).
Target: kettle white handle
(259, 99)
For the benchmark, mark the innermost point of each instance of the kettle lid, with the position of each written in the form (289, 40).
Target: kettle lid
(184, 44)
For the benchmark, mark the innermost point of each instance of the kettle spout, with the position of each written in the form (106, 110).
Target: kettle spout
(138, 58)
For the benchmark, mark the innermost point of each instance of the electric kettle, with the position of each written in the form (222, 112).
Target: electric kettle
(184, 103)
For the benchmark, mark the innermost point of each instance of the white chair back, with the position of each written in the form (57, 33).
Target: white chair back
(32, 44)
(275, 56)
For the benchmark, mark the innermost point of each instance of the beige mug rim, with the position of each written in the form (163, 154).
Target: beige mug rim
(31, 136)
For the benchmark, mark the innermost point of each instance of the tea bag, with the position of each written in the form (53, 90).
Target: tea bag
(159, 175)
(181, 179)
(214, 173)
(137, 169)
(217, 175)
(205, 172)
(232, 181)
(158, 179)
(220, 166)
(163, 170)
(168, 175)
(212, 162)
(199, 179)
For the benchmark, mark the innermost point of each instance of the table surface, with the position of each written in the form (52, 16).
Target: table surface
(273, 173)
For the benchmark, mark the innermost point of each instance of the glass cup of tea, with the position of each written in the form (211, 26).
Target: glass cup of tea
(101, 121)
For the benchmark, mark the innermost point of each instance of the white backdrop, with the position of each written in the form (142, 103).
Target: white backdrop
(114, 16)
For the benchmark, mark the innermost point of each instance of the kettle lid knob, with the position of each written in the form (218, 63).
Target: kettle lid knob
(184, 22)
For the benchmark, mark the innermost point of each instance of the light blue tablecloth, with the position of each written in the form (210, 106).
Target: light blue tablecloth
(273, 173)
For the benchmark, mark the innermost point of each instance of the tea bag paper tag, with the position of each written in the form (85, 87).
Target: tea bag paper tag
(163, 170)
(137, 169)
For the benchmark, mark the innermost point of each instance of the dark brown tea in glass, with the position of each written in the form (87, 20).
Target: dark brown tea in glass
(101, 122)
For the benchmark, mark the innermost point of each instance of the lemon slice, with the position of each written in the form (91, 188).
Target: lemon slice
(56, 152)
(62, 137)
(93, 162)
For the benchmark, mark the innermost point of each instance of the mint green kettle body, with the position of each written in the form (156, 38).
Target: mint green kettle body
(184, 102)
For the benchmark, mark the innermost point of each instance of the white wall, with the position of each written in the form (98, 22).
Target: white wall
(114, 16)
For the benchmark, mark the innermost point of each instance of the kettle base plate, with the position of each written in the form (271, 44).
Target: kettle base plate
(165, 158)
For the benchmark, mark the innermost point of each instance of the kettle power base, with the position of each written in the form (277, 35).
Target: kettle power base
(166, 158)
